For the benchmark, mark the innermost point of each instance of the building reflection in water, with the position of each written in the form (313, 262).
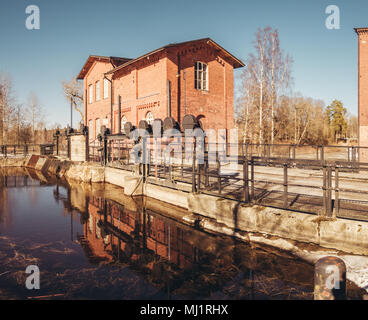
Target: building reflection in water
(179, 258)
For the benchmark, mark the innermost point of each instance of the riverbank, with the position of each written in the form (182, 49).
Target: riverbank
(304, 235)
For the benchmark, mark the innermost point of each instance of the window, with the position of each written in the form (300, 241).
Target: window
(106, 89)
(98, 91)
(123, 122)
(98, 127)
(90, 93)
(201, 76)
(149, 117)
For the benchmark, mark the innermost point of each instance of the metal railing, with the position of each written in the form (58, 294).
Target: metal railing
(329, 188)
(7, 151)
(313, 152)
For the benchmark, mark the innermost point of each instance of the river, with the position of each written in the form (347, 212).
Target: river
(92, 242)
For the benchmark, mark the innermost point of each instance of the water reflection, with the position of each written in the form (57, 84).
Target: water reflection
(93, 242)
(181, 261)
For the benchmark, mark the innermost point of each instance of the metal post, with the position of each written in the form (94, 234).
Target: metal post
(207, 179)
(193, 172)
(245, 178)
(57, 144)
(182, 163)
(330, 279)
(104, 150)
(337, 200)
(156, 175)
(324, 188)
(199, 177)
(170, 167)
(144, 158)
(285, 186)
(252, 178)
(86, 136)
(69, 146)
(329, 191)
(71, 112)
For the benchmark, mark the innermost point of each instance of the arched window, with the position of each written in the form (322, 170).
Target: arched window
(123, 122)
(149, 117)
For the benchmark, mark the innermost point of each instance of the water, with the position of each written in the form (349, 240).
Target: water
(92, 242)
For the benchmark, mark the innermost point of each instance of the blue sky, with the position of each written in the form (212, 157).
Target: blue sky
(325, 61)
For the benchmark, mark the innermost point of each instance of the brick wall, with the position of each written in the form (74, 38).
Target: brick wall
(363, 92)
(97, 109)
(143, 88)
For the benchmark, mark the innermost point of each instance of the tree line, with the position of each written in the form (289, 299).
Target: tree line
(267, 111)
(21, 123)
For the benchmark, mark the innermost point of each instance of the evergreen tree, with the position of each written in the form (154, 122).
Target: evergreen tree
(337, 119)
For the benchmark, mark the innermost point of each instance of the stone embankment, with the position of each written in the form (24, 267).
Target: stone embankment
(213, 213)
(306, 236)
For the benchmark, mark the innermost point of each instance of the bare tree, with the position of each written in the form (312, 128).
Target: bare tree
(245, 106)
(35, 115)
(73, 92)
(266, 78)
(6, 107)
(279, 73)
(257, 65)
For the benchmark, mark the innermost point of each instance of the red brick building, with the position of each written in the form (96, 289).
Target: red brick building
(194, 77)
(363, 90)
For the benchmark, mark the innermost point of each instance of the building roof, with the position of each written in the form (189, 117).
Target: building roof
(358, 30)
(237, 63)
(115, 61)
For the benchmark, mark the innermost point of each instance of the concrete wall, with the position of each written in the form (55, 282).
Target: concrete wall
(221, 215)
(227, 216)
(78, 148)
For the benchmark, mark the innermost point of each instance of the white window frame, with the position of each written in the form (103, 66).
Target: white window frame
(201, 76)
(149, 117)
(98, 90)
(90, 93)
(106, 88)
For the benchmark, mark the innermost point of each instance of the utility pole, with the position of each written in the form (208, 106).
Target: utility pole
(71, 112)
(296, 125)
(295, 128)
